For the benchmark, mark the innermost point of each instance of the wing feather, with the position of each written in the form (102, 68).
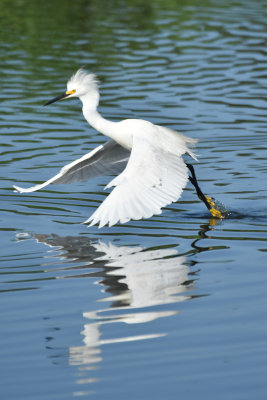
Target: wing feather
(152, 179)
(107, 159)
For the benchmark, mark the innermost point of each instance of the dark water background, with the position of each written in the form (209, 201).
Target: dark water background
(106, 313)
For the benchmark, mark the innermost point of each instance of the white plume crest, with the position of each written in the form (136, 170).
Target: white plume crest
(83, 81)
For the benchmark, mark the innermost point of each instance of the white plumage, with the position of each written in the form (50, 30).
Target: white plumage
(147, 157)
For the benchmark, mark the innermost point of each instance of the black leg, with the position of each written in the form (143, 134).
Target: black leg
(208, 201)
(194, 182)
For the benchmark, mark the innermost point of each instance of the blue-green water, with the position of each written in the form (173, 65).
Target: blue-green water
(106, 313)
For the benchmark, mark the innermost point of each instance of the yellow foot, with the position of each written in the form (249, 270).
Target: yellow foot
(215, 208)
(216, 213)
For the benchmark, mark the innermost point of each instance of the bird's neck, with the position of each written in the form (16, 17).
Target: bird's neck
(99, 123)
(96, 120)
(111, 129)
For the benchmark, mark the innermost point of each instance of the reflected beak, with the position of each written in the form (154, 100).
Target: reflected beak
(60, 97)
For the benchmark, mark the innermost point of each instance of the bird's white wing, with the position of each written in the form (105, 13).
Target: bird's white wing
(107, 159)
(152, 179)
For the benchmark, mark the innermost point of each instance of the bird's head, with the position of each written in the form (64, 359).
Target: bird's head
(81, 84)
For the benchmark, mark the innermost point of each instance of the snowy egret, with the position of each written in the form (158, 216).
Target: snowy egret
(147, 157)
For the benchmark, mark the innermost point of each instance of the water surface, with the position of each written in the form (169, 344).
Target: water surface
(173, 306)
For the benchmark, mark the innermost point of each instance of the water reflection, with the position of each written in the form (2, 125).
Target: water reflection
(126, 294)
(137, 282)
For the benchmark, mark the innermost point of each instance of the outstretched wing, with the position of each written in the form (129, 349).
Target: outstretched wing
(107, 159)
(152, 179)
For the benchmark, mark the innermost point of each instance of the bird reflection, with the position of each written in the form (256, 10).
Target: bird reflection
(132, 275)
(133, 279)
(150, 276)
(137, 285)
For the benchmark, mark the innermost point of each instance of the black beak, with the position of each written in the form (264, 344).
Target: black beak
(60, 97)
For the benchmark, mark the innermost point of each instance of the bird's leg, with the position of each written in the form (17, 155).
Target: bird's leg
(194, 182)
(208, 201)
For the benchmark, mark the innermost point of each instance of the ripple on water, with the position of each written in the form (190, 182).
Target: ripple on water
(108, 311)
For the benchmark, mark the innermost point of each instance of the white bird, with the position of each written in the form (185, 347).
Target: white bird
(148, 158)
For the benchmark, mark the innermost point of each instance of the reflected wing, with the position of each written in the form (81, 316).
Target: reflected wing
(107, 159)
(152, 179)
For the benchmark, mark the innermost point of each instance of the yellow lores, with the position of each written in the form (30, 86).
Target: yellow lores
(70, 92)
